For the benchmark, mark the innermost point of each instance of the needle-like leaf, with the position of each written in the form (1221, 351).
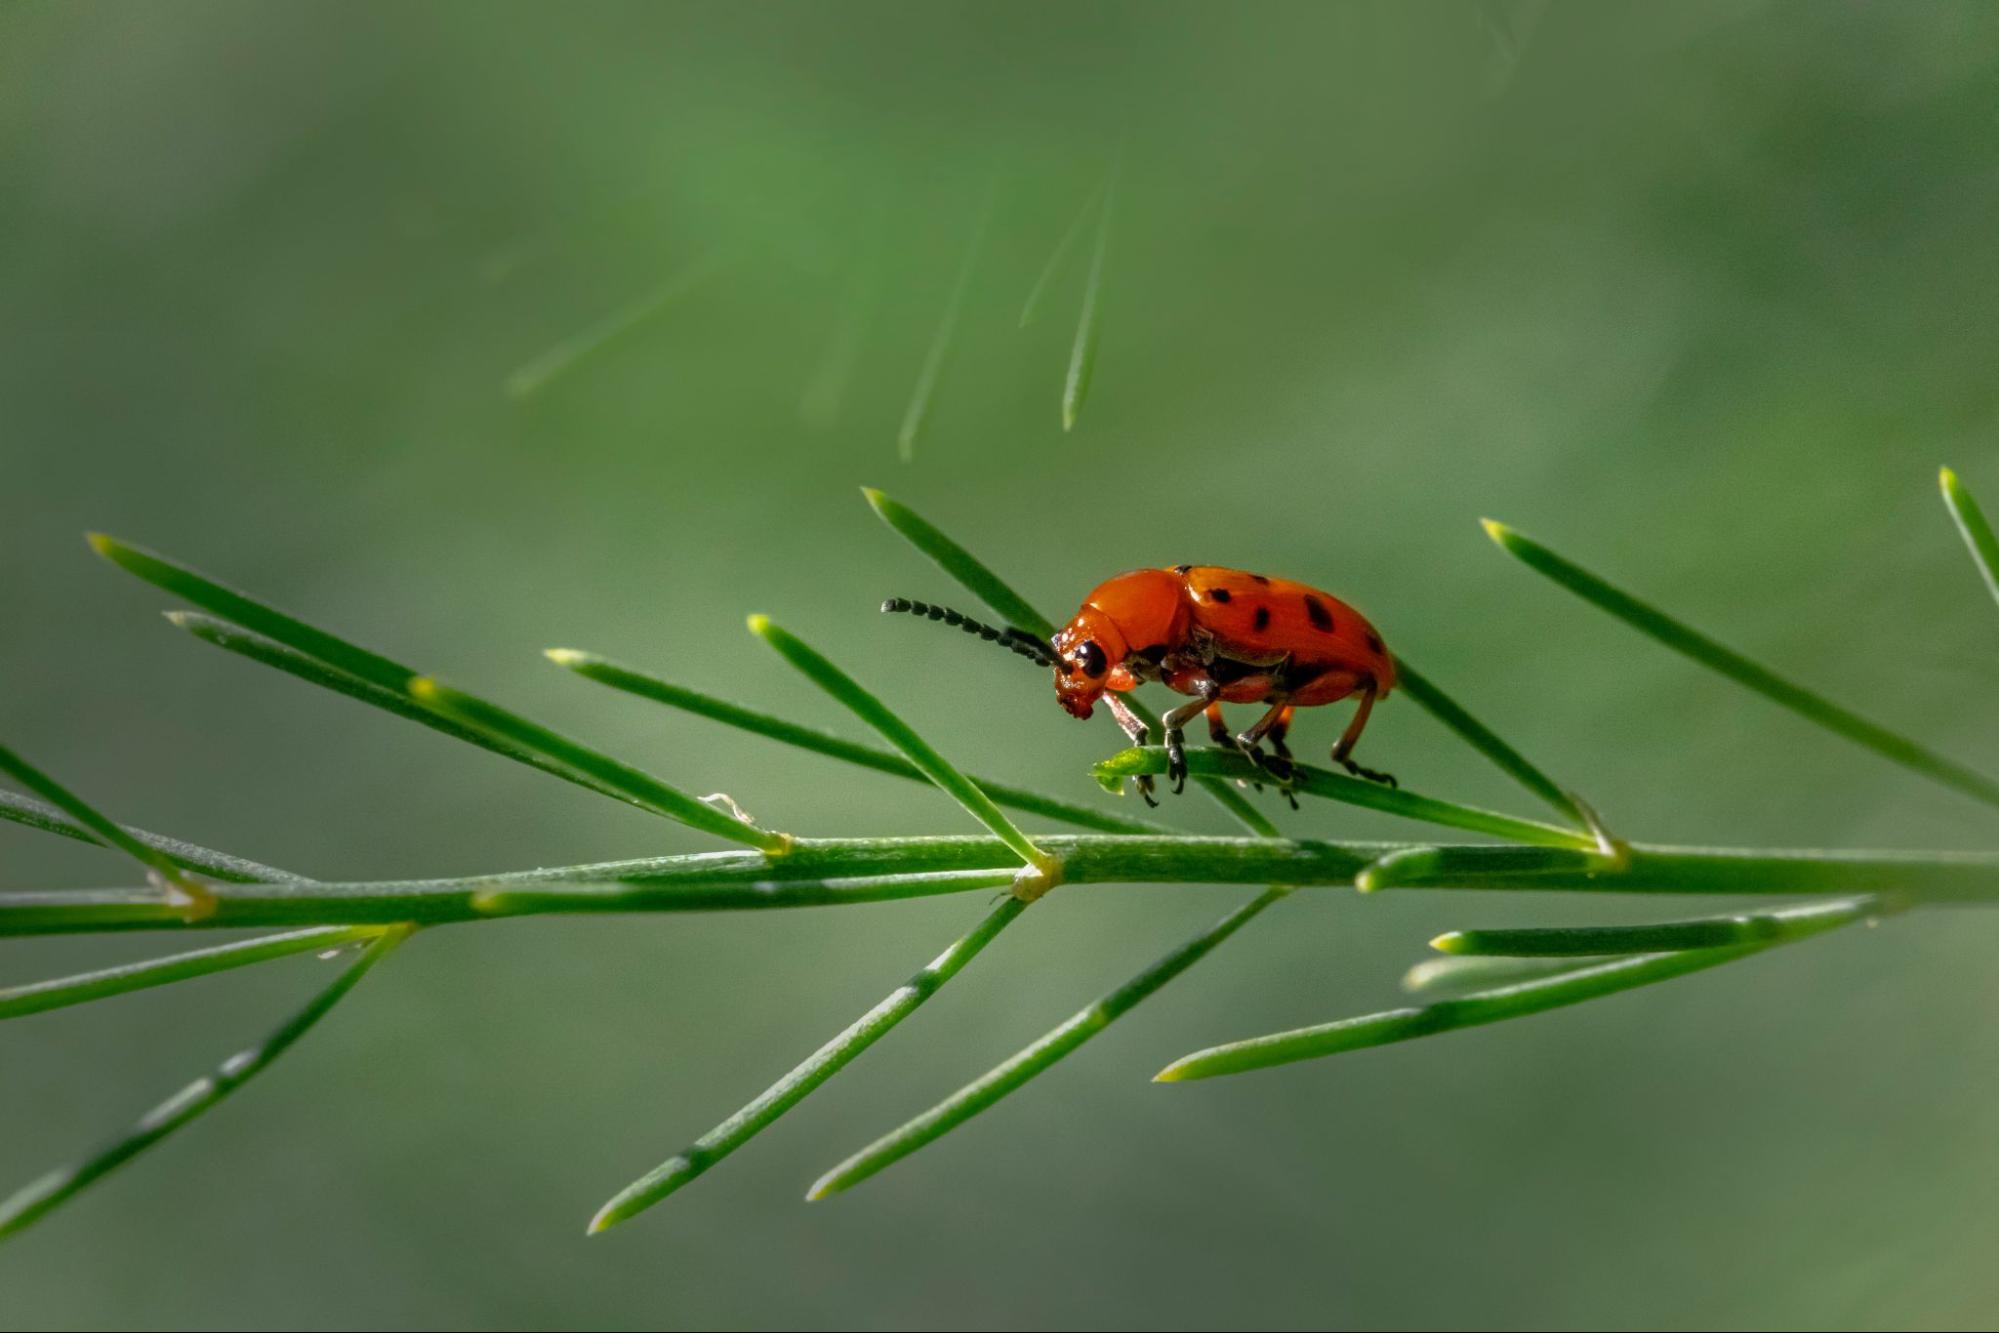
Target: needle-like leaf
(1309, 781)
(38, 1198)
(182, 889)
(606, 672)
(1083, 352)
(814, 1070)
(942, 342)
(1973, 527)
(36, 997)
(1490, 1006)
(635, 785)
(537, 374)
(271, 653)
(27, 811)
(971, 572)
(1712, 932)
(898, 733)
(1033, 1059)
(1487, 742)
(1685, 639)
(1455, 976)
(1032, 306)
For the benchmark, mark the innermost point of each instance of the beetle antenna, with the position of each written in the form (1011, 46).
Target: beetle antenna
(1019, 640)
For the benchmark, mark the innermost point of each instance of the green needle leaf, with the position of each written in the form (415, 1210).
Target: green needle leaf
(1083, 352)
(270, 653)
(606, 672)
(795, 1086)
(1685, 639)
(1487, 742)
(251, 614)
(899, 734)
(37, 997)
(535, 375)
(185, 892)
(941, 342)
(1032, 306)
(1971, 525)
(1455, 976)
(1040, 1055)
(35, 814)
(1713, 932)
(970, 572)
(1309, 781)
(635, 785)
(1491, 1006)
(38, 1198)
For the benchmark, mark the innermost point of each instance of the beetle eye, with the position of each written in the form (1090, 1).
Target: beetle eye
(1090, 658)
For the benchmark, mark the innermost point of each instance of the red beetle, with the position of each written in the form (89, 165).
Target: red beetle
(1219, 635)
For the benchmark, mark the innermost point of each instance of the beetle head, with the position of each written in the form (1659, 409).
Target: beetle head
(1087, 650)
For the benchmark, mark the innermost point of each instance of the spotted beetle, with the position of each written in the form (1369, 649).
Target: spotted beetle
(1218, 635)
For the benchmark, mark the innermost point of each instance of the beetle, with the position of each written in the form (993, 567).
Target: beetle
(1220, 636)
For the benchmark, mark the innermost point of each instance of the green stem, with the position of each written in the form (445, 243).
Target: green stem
(822, 872)
(1712, 932)
(27, 811)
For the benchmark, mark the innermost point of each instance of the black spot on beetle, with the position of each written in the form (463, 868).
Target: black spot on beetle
(1316, 612)
(1261, 579)
(1219, 594)
(1374, 644)
(1263, 617)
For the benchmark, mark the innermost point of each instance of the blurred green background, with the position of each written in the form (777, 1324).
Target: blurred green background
(1699, 293)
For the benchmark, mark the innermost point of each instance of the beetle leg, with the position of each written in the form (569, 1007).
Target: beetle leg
(1175, 724)
(1138, 733)
(1219, 735)
(1343, 749)
(1272, 726)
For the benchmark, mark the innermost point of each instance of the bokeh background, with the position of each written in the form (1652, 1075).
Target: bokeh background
(1700, 293)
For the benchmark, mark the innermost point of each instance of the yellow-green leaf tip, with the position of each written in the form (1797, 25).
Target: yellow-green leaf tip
(1948, 480)
(101, 542)
(606, 1218)
(1451, 941)
(1496, 530)
(1173, 1073)
(180, 619)
(760, 625)
(875, 497)
(426, 689)
(823, 1188)
(567, 657)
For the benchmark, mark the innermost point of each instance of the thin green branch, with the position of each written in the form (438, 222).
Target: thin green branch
(538, 373)
(1711, 932)
(1683, 638)
(1083, 351)
(1309, 781)
(1035, 1058)
(186, 893)
(1486, 741)
(814, 1070)
(941, 342)
(632, 784)
(840, 871)
(27, 811)
(40, 996)
(1514, 1001)
(1973, 527)
(271, 653)
(606, 672)
(38, 1198)
(871, 710)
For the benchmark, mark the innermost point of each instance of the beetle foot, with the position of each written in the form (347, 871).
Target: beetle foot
(1280, 770)
(1371, 775)
(1176, 762)
(1145, 786)
(1222, 740)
